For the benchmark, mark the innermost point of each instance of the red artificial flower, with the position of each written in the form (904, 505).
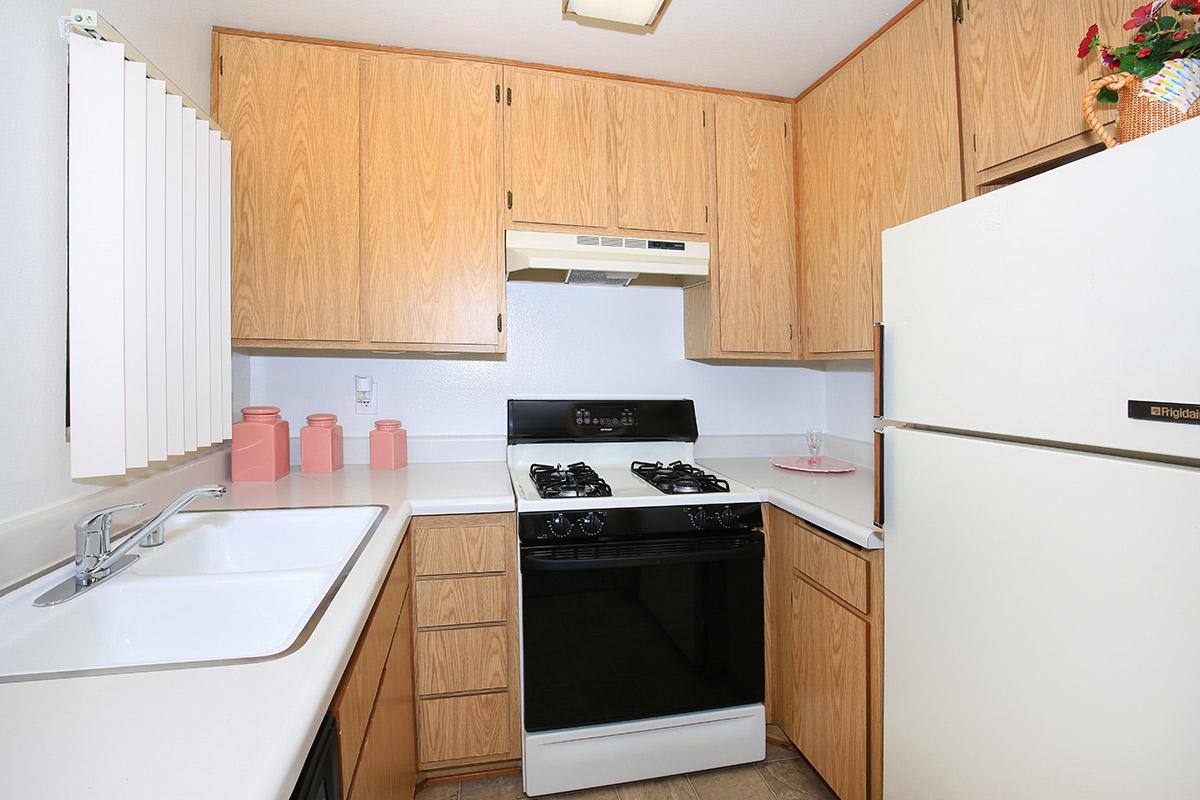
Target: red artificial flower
(1145, 51)
(1143, 14)
(1089, 41)
(1186, 6)
(1181, 35)
(1109, 59)
(1141, 37)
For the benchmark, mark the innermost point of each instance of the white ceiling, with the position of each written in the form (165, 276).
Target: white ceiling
(771, 46)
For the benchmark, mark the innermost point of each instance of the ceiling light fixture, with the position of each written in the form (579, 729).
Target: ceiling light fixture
(642, 13)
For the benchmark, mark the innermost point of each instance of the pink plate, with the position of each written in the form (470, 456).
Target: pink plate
(805, 464)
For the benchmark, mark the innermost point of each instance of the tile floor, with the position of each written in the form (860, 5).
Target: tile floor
(784, 775)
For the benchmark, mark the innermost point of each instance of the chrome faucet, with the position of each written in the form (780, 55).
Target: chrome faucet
(96, 559)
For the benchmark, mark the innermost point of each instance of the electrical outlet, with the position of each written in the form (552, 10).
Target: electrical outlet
(365, 401)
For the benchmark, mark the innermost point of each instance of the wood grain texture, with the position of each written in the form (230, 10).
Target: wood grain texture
(431, 201)
(661, 158)
(557, 149)
(838, 218)
(355, 697)
(838, 569)
(440, 550)
(506, 62)
(777, 571)
(461, 601)
(830, 688)
(473, 726)
(1030, 98)
(387, 769)
(462, 660)
(293, 111)
(756, 258)
(912, 96)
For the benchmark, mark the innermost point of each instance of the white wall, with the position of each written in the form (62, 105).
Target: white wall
(33, 450)
(849, 399)
(568, 341)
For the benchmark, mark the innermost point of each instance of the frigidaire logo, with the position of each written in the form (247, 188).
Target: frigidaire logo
(1179, 413)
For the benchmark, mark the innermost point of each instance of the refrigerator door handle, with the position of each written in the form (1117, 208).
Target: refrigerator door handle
(878, 370)
(878, 520)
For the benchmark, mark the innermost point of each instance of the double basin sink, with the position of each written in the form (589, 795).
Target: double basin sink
(224, 587)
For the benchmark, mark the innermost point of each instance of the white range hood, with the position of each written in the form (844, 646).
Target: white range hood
(594, 260)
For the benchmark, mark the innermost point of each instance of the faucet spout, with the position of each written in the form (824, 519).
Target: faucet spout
(154, 527)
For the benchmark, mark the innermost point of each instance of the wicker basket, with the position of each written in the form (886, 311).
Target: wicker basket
(1136, 115)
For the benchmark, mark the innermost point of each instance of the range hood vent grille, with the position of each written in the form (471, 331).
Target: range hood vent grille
(594, 277)
(601, 260)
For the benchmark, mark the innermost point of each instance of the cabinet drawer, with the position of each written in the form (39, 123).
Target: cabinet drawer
(836, 569)
(461, 601)
(456, 551)
(474, 726)
(462, 660)
(356, 696)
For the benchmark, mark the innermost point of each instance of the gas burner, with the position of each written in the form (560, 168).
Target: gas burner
(678, 478)
(573, 480)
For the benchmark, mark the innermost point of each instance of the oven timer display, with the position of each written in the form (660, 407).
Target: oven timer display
(605, 417)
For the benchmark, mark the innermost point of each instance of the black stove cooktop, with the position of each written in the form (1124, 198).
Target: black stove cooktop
(573, 480)
(678, 478)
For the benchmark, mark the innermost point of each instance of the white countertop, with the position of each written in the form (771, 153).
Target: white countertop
(842, 504)
(227, 732)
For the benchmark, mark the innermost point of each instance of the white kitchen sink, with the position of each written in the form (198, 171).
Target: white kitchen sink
(226, 586)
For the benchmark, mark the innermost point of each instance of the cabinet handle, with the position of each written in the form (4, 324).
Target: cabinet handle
(499, 323)
(878, 478)
(497, 93)
(878, 370)
(509, 199)
(508, 96)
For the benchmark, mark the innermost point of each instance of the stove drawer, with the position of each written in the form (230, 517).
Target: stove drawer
(461, 601)
(462, 660)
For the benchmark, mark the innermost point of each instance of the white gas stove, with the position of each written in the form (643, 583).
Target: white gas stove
(641, 596)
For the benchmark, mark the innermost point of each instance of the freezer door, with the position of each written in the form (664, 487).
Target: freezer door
(1040, 310)
(1042, 638)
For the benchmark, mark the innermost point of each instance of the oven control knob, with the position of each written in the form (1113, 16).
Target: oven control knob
(726, 517)
(592, 523)
(700, 517)
(559, 524)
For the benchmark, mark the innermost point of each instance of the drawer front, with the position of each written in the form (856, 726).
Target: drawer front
(474, 726)
(462, 660)
(457, 551)
(836, 569)
(461, 601)
(356, 696)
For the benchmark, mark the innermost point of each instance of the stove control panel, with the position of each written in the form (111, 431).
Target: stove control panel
(561, 524)
(623, 524)
(606, 417)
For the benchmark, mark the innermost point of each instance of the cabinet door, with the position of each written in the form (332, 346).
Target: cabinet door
(912, 97)
(755, 236)
(292, 109)
(431, 193)
(837, 215)
(1020, 73)
(829, 692)
(557, 148)
(662, 155)
(387, 768)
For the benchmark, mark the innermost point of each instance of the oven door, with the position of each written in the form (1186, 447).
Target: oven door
(625, 631)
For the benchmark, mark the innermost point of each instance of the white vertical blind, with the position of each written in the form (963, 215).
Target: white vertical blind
(148, 266)
(156, 262)
(136, 424)
(226, 340)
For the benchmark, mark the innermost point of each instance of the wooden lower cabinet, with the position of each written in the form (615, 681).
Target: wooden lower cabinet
(374, 705)
(825, 652)
(465, 601)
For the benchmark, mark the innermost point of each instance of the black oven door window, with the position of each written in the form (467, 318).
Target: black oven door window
(646, 630)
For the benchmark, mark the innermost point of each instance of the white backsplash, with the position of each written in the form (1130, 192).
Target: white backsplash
(576, 342)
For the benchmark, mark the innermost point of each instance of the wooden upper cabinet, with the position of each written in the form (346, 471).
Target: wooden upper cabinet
(557, 148)
(1022, 86)
(431, 184)
(838, 215)
(292, 109)
(755, 263)
(661, 153)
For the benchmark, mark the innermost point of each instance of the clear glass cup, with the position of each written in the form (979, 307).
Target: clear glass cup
(814, 446)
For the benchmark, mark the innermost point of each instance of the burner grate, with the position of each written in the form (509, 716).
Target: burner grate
(678, 478)
(573, 480)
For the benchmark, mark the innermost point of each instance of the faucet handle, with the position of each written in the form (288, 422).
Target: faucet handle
(92, 544)
(103, 516)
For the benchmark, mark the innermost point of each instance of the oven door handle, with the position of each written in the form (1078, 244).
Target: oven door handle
(535, 563)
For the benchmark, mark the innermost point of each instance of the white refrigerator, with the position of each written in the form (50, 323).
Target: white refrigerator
(1041, 486)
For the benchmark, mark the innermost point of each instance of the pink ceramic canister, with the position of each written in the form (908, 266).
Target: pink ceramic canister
(389, 445)
(321, 444)
(260, 445)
